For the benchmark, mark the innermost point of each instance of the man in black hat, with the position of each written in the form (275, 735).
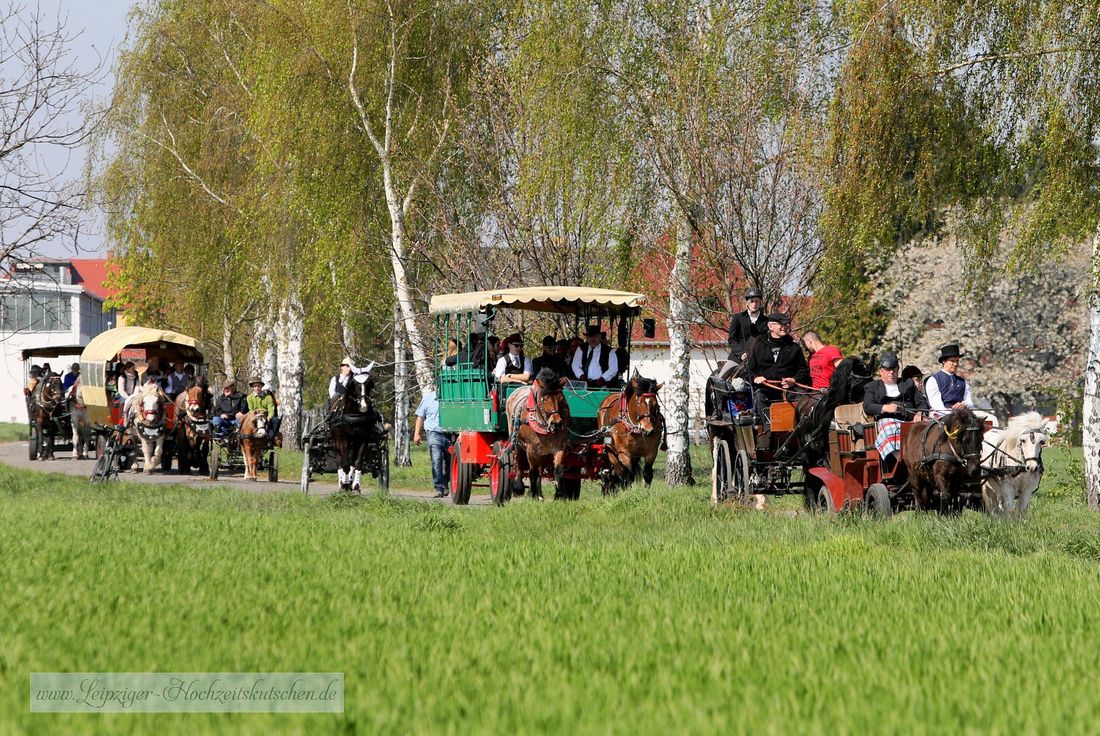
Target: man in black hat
(891, 402)
(550, 359)
(776, 359)
(947, 391)
(594, 362)
(747, 325)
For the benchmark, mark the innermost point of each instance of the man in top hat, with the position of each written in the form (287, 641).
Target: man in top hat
(595, 362)
(891, 402)
(776, 359)
(946, 390)
(229, 408)
(513, 366)
(747, 325)
(339, 383)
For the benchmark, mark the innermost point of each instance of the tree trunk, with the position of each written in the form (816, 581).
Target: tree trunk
(678, 467)
(289, 334)
(1090, 433)
(348, 337)
(398, 238)
(401, 451)
(227, 348)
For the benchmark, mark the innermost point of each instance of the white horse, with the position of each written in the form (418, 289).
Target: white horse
(145, 413)
(1015, 455)
(78, 415)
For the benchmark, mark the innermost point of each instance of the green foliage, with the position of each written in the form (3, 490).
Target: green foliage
(634, 610)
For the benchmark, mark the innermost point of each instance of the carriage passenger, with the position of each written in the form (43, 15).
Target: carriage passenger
(178, 381)
(339, 383)
(514, 367)
(551, 357)
(775, 359)
(473, 352)
(594, 362)
(946, 390)
(229, 408)
(747, 326)
(261, 400)
(153, 373)
(70, 378)
(32, 382)
(127, 383)
(891, 402)
(823, 359)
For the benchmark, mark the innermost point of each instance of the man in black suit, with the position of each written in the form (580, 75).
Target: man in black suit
(891, 403)
(747, 325)
(776, 358)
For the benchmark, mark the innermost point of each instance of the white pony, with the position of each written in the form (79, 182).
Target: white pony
(145, 413)
(1015, 455)
(78, 414)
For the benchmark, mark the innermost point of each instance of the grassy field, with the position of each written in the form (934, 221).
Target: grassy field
(651, 612)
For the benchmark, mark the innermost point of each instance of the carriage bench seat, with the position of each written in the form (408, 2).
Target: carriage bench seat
(848, 417)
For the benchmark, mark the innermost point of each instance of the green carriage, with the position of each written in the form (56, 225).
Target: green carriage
(472, 404)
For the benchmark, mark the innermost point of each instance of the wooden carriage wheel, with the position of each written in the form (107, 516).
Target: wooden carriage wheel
(720, 470)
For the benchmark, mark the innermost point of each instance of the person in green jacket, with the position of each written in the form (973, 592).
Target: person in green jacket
(260, 400)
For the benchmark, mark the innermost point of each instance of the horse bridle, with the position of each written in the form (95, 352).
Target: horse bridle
(948, 436)
(537, 420)
(634, 426)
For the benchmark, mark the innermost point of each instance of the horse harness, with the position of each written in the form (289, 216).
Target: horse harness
(634, 426)
(536, 421)
(948, 436)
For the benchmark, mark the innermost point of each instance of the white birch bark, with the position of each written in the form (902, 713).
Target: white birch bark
(401, 450)
(227, 348)
(1091, 406)
(289, 333)
(678, 467)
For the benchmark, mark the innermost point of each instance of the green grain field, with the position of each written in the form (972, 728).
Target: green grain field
(648, 613)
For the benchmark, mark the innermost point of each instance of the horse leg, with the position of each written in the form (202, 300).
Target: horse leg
(158, 452)
(78, 449)
(535, 464)
(183, 453)
(647, 471)
(356, 473)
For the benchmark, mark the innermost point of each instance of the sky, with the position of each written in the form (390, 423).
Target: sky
(101, 25)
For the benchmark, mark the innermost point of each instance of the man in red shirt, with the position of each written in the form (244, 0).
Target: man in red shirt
(823, 359)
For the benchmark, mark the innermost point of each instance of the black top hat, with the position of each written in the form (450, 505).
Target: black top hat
(592, 331)
(889, 361)
(753, 293)
(549, 341)
(783, 319)
(950, 350)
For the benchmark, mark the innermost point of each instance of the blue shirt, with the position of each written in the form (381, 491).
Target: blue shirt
(429, 411)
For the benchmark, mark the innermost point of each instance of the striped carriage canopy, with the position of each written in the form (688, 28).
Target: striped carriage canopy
(555, 299)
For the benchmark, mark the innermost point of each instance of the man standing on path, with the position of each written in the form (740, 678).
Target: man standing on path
(427, 419)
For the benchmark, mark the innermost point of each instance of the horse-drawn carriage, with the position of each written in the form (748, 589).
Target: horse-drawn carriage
(821, 444)
(553, 428)
(351, 439)
(151, 433)
(52, 416)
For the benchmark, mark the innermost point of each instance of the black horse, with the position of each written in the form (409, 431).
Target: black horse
(815, 415)
(356, 429)
(48, 409)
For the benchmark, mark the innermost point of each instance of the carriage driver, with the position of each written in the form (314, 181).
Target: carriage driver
(595, 362)
(891, 402)
(339, 383)
(775, 358)
(229, 408)
(260, 400)
(947, 391)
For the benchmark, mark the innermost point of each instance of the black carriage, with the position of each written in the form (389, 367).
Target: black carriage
(319, 454)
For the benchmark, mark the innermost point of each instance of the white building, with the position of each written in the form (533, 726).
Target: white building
(45, 304)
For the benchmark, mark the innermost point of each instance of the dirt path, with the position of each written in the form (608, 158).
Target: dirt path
(14, 454)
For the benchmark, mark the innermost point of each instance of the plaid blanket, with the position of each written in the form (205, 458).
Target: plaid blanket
(888, 439)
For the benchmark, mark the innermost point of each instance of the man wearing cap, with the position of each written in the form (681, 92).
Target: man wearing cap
(946, 391)
(260, 400)
(891, 402)
(776, 359)
(550, 358)
(595, 362)
(513, 366)
(339, 383)
(747, 325)
(229, 408)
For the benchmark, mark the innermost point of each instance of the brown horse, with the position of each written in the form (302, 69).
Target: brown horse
(48, 407)
(636, 426)
(542, 415)
(253, 440)
(193, 429)
(942, 456)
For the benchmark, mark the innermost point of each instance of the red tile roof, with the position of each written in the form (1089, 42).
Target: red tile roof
(91, 273)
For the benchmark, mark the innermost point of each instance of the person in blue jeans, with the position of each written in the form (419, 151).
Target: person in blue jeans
(427, 420)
